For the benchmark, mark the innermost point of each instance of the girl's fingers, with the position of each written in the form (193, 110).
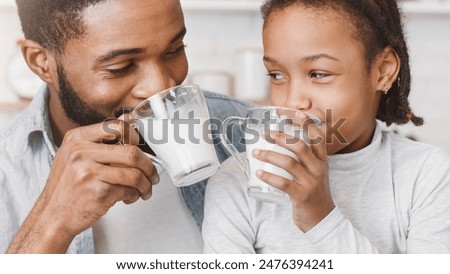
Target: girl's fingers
(301, 149)
(317, 140)
(318, 143)
(283, 161)
(276, 181)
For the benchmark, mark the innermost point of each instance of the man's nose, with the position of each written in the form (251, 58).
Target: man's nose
(152, 80)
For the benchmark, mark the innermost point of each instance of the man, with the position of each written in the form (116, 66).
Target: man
(59, 172)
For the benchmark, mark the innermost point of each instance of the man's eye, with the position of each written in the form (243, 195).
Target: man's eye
(120, 71)
(177, 50)
(275, 75)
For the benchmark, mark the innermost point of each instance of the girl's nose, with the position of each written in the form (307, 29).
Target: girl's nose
(298, 98)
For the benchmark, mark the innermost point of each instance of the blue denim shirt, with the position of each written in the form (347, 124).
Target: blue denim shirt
(27, 150)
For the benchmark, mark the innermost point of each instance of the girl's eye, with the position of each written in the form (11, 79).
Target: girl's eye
(275, 75)
(319, 75)
(120, 71)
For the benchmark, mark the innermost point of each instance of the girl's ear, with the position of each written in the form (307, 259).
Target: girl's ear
(388, 67)
(39, 60)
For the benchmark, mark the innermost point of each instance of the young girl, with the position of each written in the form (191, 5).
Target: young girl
(361, 190)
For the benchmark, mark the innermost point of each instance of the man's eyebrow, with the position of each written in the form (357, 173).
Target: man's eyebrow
(178, 36)
(115, 53)
(267, 59)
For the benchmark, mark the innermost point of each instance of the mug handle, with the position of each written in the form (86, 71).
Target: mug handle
(227, 144)
(160, 165)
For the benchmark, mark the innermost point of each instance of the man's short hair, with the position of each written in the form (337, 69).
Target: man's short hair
(52, 23)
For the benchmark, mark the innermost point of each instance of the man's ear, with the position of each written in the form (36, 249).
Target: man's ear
(388, 67)
(39, 60)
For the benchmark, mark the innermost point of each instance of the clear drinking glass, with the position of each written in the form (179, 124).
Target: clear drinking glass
(258, 123)
(175, 125)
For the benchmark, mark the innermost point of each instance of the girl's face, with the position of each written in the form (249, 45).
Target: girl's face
(315, 63)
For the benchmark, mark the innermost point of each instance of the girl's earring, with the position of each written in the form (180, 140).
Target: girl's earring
(385, 89)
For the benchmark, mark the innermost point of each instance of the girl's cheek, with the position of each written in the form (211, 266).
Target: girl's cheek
(278, 98)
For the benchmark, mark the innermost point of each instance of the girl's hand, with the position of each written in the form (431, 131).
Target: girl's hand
(309, 191)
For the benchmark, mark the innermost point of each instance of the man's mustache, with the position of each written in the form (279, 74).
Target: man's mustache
(123, 111)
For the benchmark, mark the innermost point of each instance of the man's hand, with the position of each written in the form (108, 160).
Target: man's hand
(87, 178)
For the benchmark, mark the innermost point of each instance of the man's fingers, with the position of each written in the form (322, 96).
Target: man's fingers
(108, 131)
(109, 194)
(130, 177)
(117, 155)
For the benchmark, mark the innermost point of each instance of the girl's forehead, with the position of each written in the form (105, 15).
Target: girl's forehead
(297, 19)
(325, 13)
(297, 35)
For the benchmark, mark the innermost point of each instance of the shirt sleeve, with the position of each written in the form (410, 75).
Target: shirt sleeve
(428, 216)
(227, 226)
(336, 234)
(429, 224)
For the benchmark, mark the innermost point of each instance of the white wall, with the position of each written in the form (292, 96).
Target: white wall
(429, 41)
(215, 34)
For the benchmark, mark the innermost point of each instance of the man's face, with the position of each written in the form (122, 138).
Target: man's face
(131, 50)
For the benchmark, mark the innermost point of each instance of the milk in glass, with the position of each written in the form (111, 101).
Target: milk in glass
(184, 146)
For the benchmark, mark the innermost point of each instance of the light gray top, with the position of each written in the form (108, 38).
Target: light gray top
(392, 196)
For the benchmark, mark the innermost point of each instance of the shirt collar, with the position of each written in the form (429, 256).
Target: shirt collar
(360, 158)
(37, 121)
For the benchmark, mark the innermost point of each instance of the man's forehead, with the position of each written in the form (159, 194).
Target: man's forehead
(132, 12)
(117, 24)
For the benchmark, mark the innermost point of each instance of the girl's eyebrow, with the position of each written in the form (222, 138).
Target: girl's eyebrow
(308, 59)
(316, 57)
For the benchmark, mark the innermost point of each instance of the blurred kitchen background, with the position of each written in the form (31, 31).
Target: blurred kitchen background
(224, 51)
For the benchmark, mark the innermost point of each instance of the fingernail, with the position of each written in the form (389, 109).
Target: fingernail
(259, 172)
(273, 134)
(155, 179)
(146, 197)
(256, 152)
(301, 115)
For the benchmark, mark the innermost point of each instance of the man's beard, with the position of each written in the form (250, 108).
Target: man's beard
(76, 109)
